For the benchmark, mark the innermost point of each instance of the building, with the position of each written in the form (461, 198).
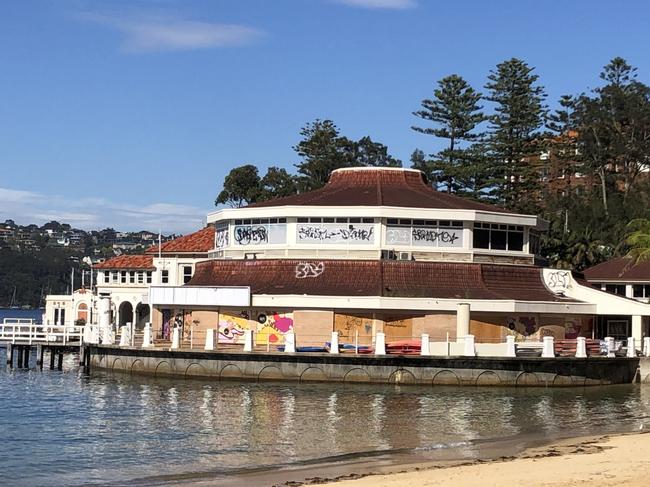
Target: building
(125, 280)
(377, 249)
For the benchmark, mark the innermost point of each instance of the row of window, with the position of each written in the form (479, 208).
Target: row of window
(638, 290)
(498, 237)
(335, 220)
(424, 223)
(142, 277)
(260, 221)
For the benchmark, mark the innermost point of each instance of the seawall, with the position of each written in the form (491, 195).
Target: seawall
(396, 369)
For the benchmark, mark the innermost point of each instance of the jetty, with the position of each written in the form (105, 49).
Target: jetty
(20, 336)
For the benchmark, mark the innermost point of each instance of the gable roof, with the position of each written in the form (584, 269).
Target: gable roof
(619, 269)
(378, 278)
(372, 186)
(193, 243)
(127, 262)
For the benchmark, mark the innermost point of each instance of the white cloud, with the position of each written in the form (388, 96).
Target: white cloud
(378, 4)
(94, 213)
(154, 34)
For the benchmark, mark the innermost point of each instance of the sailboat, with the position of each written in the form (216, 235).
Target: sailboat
(13, 304)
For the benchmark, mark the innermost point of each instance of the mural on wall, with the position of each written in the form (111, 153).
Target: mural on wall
(232, 325)
(272, 326)
(522, 326)
(274, 233)
(349, 325)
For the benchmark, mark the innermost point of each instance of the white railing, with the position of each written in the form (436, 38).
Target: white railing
(16, 330)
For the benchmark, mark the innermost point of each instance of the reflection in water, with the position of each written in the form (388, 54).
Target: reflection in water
(68, 429)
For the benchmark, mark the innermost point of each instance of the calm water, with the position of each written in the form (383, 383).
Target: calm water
(65, 428)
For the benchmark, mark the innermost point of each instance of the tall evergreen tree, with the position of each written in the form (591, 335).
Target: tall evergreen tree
(322, 149)
(455, 112)
(240, 187)
(370, 153)
(277, 183)
(513, 139)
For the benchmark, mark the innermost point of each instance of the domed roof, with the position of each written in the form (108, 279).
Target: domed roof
(379, 186)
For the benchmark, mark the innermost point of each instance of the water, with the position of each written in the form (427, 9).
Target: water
(66, 428)
(34, 314)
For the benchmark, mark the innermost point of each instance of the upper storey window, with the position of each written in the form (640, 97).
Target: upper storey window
(221, 236)
(260, 231)
(424, 233)
(335, 231)
(498, 237)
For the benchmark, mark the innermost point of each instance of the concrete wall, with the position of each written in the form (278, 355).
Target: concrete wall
(353, 368)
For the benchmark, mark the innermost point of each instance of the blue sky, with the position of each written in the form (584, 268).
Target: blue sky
(130, 113)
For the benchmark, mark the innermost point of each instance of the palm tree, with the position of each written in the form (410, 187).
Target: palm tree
(638, 240)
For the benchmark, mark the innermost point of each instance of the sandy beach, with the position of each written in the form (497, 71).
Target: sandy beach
(615, 460)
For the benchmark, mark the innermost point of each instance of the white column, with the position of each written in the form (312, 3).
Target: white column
(248, 340)
(510, 346)
(334, 346)
(104, 320)
(469, 350)
(581, 347)
(425, 348)
(124, 335)
(176, 338)
(209, 339)
(548, 348)
(380, 343)
(462, 321)
(631, 348)
(290, 342)
(610, 346)
(646, 346)
(146, 339)
(637, 328)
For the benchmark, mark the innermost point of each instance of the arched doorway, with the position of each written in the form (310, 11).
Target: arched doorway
(125, 313)
(142, 315)
(82, 312)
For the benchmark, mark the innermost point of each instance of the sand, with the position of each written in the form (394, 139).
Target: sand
(616, 460)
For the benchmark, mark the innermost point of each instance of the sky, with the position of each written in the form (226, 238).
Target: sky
(130, 113)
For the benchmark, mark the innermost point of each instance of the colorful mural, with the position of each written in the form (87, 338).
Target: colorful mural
(232, 325)
(272, 326)
(523, 326)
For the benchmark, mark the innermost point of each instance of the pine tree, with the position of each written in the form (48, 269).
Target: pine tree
(240, 187)
(455, 113)
(513, 139)
(277, 183)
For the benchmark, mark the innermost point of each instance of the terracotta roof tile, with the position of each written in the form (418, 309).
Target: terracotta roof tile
(379, 187)
(127, 262)
(378, 278)
(619, 269)
(197, 242)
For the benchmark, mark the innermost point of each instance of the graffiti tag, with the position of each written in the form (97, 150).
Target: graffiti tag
(309, 269)
(221, 238)
(558, 279)
(351, 233)
(251, 235)
(431, 235)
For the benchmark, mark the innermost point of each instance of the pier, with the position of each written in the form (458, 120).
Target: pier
(21, 336)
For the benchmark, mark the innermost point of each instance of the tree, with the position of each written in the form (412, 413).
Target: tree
(638, 240)
(513, 139)
(240, 187)
(322, 150)
(277, 183)
(369, 153)
(455, 113)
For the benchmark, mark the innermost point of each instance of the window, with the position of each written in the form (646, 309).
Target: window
(149, 277)
(107, 277)
(140, 277)
(164, 277)
(123, 277)
(187, 273)
(641, 290)
(616, 289)
(498, 237)
(132, 277)
(114, 277)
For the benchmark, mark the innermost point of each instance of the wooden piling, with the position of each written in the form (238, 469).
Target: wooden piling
(52, 354)
(60, 364)
(20, 357)
(10, 355)
(26, 353)
(39, 356)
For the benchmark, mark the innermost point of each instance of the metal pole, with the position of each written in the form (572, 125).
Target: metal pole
(356, 341)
